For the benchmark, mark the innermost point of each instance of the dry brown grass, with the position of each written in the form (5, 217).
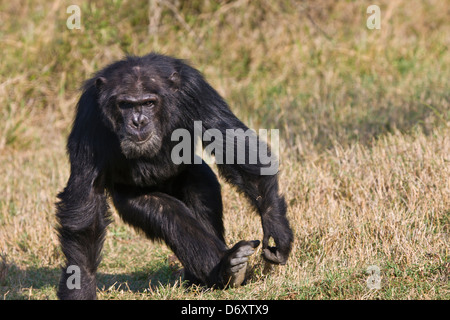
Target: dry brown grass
(364, 119)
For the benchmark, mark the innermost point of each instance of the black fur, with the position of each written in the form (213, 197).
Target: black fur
(179, 204)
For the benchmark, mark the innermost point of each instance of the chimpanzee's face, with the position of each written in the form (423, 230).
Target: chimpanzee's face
(132, 101)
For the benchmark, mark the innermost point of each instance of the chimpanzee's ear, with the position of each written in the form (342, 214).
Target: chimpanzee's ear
(99, 82)
(175, 80)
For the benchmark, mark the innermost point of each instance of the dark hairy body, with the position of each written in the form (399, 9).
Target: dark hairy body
(120, 147)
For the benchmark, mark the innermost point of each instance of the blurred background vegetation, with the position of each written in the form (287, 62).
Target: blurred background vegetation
(363, 115)
(310, 68)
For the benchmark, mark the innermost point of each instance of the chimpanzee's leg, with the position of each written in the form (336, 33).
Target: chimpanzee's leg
(198, 188)
(192, 235)
(82, 215)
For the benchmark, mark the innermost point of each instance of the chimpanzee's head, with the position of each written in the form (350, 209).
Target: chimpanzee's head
(135, 98)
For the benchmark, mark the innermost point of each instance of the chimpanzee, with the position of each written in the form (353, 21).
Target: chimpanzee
(120, 148)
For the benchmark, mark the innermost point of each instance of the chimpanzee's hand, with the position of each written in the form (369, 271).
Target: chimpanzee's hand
(278, 254)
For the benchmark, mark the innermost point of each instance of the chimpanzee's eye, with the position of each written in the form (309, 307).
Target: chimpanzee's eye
(148, 103)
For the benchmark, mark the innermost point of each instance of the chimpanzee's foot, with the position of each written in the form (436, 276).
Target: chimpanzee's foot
(236, 262)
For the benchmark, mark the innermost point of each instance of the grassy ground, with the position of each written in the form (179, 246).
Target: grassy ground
(363, 115)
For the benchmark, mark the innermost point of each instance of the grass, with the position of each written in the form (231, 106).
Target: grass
(363, 115)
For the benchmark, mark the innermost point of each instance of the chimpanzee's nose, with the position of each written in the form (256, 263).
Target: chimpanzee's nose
(139, 120)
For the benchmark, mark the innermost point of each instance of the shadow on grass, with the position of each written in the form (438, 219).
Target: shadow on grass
(18, 283)
(356, 118)
(139, 281)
